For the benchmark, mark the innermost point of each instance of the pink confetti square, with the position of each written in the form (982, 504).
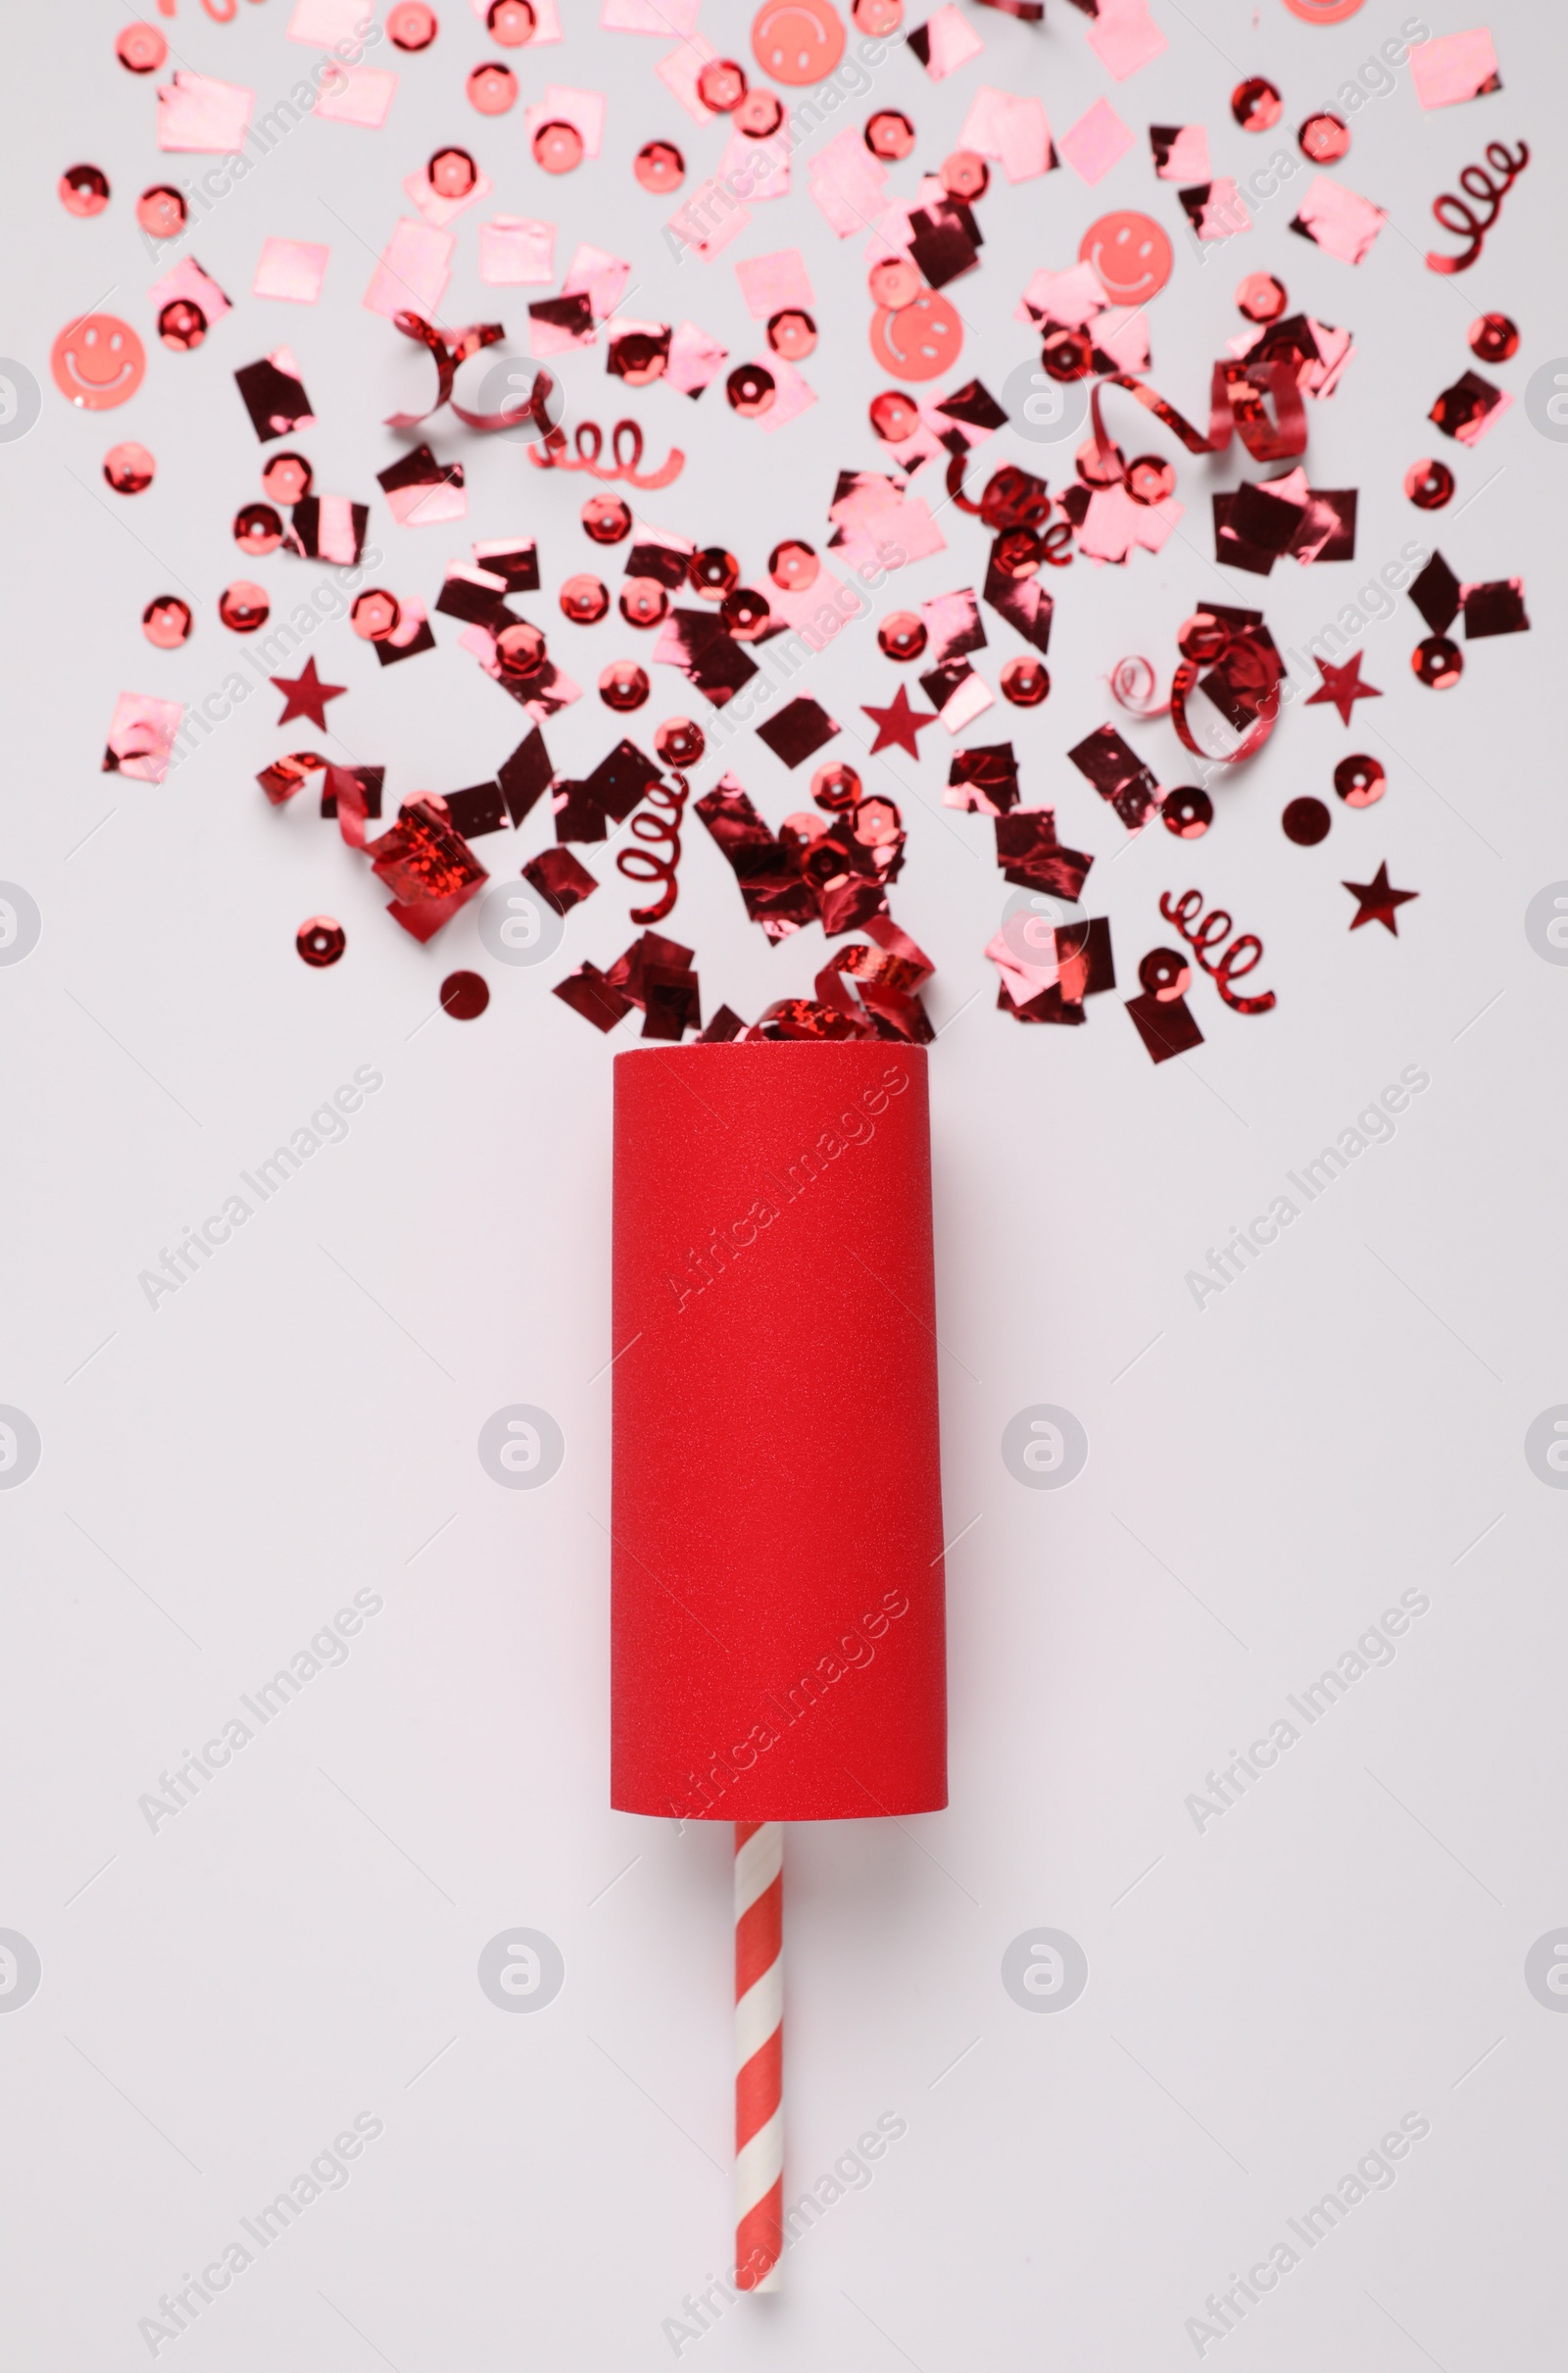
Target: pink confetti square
(1459, 66)
(583, 110)
(1186, 159)
(292, 269)
(433, 506)
(440, 210)
(412, 274)
(1094, 142)
(792, 396)
(1013, 130)
(969, 698)
(515, 253)
(357, 94)
(188, 280)
(1122, 332)
(846, 183)
(1069, 298)
(1485, 423)
(335, 538)
(664, 17)
(758, 169)
(678, 73)
(771, 283)
(599, 276)
(946, 41)
(142, 737)
(695, 359)
(324, 23)
(1124, 37)
(709, 220)
(1342, 223)
(195, 112)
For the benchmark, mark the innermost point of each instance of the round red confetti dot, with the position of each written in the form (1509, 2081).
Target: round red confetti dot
(1359, 782)
(140, 48)
(644, 601)
(1494, 338)
(680, 742)
(659, 167)
(759, 115)
(965, 176)
(1306, 822)
(1097, 468)
(607, 519)
(452, 173)
(1203, 639)
(320, 941)
(1150, 479)
(1324, 138)
(411, 25)
(584, 600)
(1429, 484)
(161, 212)
(894, 416)
(183, 326)
(83, 189)
(836, 788)
(1166, 973)
(876, 17)
(244, 607)
(793, 334)
(1067, 354)
(492, 88)
(375, 615)
(465, 995)
(793, 566)
(1256, 103)
(713, 573)
(1187, 812)
(902, 635)
(894, 282)
(746, 613)
(623, 685)
(751, 390)
(1018, 553)
(167, 622)
(129, 469)
(889, 135)
(287, 477)
(521, 649)
(722, 84)
(1262, 297)
(1025, 682)
(557, 148)
(510, 23)
(1438, 664)
(258, 531)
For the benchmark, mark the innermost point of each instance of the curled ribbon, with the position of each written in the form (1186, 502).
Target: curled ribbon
(1477, 183)
(1254, 667)
(1134, 686)
(550, 454)
(448, 353)
(657, 822)
(1237, 401)
(1215, 926)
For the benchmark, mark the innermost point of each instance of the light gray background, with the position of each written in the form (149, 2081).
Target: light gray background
(1265, 2000)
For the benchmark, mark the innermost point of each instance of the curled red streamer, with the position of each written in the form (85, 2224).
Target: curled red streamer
(1215, 926)
(657, 827)
(589, 438)
(1237, 401)
(1477, 183)
(448, 353)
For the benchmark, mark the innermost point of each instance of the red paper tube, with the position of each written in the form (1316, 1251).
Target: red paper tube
(777, 1638)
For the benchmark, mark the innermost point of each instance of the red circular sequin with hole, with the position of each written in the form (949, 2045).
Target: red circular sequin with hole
(1359, 782)
(557, 148)
(129, 469)
(140, 48)
(83, 189)
(167, 622)
(411, 25)
(659, 167)
(492, 89)
(585, 600)
(320, 941)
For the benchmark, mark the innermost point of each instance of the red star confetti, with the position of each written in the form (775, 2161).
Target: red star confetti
(897, 724)
(1376, 901)
(306, 695)
(1342, 686)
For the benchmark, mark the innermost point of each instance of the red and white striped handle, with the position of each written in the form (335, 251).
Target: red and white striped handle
(758, 2052)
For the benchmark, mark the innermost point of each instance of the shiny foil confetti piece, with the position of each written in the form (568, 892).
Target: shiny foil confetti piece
(1338, 220)
(1233, 961)
(142, 737)
(83, 189)
(98, 362)
(291, 269)
(1453, 68)
(465, 995)
(1306, 822)
(1359, 782)
(320, 941)
(129, 469)
(305, 695)
(1429, 484)
(1484, 188)
(167, 622)
(1376, 902)
(1342, 688)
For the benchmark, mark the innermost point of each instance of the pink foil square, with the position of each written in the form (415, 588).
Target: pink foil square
(515, 253)
(1457, 66)
(599, 276)
(197, 114)
(847, 182)
(1096, 142)
(292, 269)
(1124, 37)
(440, 210)
(678, 72)
(771, 284)
(412, 274)
(758, 169)
(695, 359)
(794, 395)
(142, 737)
(951, 42)
(357, 94)
(664, 17)
(1188, 160)
(708, 222)
(324, 23)
(1342, 223)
